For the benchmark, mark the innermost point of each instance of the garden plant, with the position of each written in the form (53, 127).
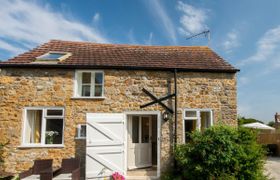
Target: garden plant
(220, 152)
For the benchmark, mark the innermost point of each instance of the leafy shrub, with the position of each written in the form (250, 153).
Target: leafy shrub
(242, 120)
(170, 174)
(221, 152)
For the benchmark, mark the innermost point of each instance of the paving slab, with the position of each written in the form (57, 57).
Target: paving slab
(272, 167)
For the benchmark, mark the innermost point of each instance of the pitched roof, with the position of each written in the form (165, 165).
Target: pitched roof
(258, 125)
(94, 55)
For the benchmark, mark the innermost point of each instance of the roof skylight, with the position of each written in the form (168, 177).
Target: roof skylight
(53, 56)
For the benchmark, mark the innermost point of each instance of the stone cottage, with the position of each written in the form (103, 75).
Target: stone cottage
(107, 104)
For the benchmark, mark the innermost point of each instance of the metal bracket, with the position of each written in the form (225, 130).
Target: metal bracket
(158, 100)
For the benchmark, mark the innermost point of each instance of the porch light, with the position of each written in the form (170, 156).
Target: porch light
(166, 116)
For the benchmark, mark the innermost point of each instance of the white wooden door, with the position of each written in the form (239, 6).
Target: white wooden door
(139, 142)
(105, 144)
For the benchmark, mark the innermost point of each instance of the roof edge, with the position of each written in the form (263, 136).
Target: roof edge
(130, 45)
(63, 66)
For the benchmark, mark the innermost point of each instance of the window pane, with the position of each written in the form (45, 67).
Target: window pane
(54, 112)
(98, 78)
(190, 114)
(83, 131)
(85, 90)
(205, 120)
(145, 130)
(54, 131)
(135, 129)
(33, 126)
(86, 78)
(190, 126)
(52, 56)
(98, 90)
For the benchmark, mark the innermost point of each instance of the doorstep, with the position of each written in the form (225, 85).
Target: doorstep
(141, 177)
(145, 173)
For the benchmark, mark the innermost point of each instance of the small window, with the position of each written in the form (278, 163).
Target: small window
(82, 131)
(196, 120)
(191, 114)
(89, 84)
(43, 126)
(53, 56)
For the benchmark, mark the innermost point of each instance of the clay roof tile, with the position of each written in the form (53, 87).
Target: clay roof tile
(115, 55)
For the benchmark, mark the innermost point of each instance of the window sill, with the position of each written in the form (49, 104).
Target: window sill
(80, 138)
(40, 146)
(82, 98)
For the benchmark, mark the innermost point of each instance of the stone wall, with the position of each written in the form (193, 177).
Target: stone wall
(20, 88)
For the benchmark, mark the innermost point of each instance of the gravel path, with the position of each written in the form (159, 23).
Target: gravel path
(272, 167)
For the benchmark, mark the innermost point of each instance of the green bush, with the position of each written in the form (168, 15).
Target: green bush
(221, 152)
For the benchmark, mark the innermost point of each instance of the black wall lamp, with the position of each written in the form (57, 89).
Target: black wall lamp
(166, 116)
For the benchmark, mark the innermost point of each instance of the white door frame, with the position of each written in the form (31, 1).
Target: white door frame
(158, 114)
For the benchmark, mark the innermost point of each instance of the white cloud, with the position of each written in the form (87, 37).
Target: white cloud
(231, 41)
(27, 23)
(193, 19)
(268, 48)
(149, 41)
(162, 18)
(96, 17)
(8, 47)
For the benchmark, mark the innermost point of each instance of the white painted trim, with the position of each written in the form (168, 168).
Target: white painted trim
(75, 84)
(198, 119)
(53, 116)
(40, 146)
(159, 118)
(76, 93)
(80, 138)
(103, 161)
(104, 118)
(23, 126)
(126, 118)
(64, 56)
(88, 98)
(212, 118)
(43, 128)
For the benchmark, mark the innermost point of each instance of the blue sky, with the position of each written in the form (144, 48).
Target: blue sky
(244, 32)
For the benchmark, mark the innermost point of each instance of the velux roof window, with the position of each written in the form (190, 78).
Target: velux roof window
(53, 57)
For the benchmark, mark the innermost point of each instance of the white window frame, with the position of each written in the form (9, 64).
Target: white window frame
(64, 55)
(197, 118)
(79, 127)
(43, 128)
(92, 84)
